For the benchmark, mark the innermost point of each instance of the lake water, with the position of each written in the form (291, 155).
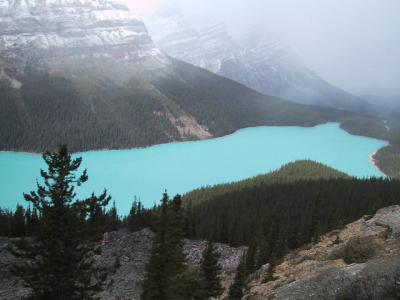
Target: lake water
(181, 167)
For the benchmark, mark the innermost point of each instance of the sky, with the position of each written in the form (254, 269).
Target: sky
(354, 44)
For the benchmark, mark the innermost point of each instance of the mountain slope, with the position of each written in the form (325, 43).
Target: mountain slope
(285, 215)
(87, 73)
(359, 261)
(290, 173)
(263, 64)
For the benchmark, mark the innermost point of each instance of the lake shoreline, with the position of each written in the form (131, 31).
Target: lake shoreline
(187, 141)
(371, 158)
(182, 167)
(167, 143)
(372, 161)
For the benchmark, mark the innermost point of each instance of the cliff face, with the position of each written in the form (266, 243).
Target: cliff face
(121, 256)
(361, 261)
(53, 33)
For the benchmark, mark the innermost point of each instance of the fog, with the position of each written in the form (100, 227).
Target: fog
(354, 44)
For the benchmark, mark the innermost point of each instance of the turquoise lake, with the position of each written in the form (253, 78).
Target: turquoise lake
(181, 167)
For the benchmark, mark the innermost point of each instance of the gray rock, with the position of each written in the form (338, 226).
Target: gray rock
(11, 287)
(371, 280)
(120, 259)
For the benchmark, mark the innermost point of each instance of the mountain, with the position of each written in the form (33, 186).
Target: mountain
(87, 73)
(262, 63)
(358, 261)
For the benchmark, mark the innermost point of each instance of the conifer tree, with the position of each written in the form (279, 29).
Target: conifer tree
(96, 221)
(251, 256)
(63, 271)
(239, 283)
(189, 285)
(176, 258)
(5, 222)
(18, 222)
(112, 219)
(155, 283)
(32, 221)
(211, 271)
(132, 221)
(167, 260)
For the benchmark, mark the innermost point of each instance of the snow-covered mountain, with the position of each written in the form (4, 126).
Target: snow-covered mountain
(261, 63)
(60, 32)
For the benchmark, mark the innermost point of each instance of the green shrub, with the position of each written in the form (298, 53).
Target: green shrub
(355, 251)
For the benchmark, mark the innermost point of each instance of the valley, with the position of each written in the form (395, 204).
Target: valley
(167, 150)
(181, 167)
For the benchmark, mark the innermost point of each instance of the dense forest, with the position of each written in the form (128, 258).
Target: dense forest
(281, 217)
(388, 158)
(290, 173)
(89, 112)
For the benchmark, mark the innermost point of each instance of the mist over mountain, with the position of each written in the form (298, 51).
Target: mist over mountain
(352, 45)
(257, 60)
(87, 73)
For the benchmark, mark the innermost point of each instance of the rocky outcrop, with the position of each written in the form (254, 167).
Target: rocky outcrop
(120, 259)
(361, 261)
(11, 287)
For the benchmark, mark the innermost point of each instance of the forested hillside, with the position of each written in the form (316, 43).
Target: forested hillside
(278, 217)
(388, 158)
(290, 173)
(179, 103)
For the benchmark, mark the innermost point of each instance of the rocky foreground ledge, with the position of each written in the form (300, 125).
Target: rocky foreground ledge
(361, 261)
(121, 256)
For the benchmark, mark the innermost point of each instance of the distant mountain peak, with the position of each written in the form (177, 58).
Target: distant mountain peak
(256, 59)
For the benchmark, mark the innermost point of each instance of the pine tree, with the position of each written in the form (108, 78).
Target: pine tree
(155, 283)
(239, 283)
(134, 216)
(189, 285)
(62, 272)
(167, 261)
(264, 254)
(176, 258)
(112, 219)
(211, 271)
(18, 222)
(32, 221)
(96, 222)
(251, 258)
(5, 222)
